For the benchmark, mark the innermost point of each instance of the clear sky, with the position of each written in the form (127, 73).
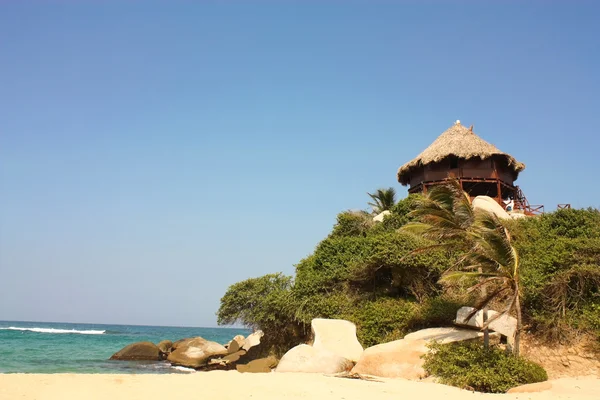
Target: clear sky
(154, 153)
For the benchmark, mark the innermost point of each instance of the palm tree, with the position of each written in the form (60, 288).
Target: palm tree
(383, 199)
(446, 216)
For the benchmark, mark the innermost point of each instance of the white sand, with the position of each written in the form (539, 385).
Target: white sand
(233, 385)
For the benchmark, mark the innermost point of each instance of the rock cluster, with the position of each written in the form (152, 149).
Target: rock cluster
(198, 353)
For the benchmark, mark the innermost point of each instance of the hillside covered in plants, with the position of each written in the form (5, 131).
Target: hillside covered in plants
(379, 277)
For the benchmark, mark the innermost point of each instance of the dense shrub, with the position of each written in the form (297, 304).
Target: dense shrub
(264, 303)
(470, 366)
(382, 320)
(352, 223)
(560, 271)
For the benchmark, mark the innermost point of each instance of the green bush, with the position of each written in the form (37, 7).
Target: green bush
(436, 311)
(382, 320)
(560, 271)
(352, 223)
(470, 366)
(264, 303)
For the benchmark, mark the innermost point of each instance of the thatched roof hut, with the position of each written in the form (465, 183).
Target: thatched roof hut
(462, 143)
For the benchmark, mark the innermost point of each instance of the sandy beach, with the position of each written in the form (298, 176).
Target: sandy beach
(235, 386)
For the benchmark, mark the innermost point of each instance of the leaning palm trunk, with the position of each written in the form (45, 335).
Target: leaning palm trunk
(516, 350)
(486, 330)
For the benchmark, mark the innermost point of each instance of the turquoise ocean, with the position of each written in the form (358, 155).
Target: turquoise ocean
(48, 347)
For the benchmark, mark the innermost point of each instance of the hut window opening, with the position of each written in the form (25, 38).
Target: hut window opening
(453, 162)
(481, 189)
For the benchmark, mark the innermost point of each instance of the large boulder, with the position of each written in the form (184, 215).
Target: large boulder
(490, 205)
(305, 358)
(140, 351)
(181, 342)
(252, 340)
(258, 365)
(165, 346)
(196, 353)
(338, 336)
(397, 359)
(402, 358)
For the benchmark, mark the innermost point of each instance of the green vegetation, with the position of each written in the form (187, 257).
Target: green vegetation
(490, 262)
(560, 263)
(470, 366)
(383, 200)
(372, 274)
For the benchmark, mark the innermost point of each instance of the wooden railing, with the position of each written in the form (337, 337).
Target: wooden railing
(563, 206)
(521, 203)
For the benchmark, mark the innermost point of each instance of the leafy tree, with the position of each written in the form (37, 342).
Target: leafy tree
(383, 200)
(263, 303)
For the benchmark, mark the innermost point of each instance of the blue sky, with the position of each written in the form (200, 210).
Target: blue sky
(153, 154)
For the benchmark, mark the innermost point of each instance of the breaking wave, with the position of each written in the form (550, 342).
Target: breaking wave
(53, 330)
(183, 369)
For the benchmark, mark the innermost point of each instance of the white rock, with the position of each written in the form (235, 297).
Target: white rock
(252, 340)
(379, 217)
(505, 325)
(476, 320)
(490, 205)
(337, 336)
(305, 358)
(444, 335)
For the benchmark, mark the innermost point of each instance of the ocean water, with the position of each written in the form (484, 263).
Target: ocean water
(47, 347)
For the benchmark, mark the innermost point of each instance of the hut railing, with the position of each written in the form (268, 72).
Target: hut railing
(521, 203)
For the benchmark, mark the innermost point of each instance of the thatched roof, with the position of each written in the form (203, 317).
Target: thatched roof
(458, 141)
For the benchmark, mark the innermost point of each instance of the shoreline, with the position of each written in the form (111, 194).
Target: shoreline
(268, 386)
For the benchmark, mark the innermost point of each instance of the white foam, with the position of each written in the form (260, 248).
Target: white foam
(53, 330)
(184, 369)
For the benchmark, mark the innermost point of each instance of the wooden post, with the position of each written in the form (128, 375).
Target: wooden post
(499, 194)
(486, 331)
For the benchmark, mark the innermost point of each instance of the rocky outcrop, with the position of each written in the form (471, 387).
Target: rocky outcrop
(305, 358)
(165, 346)
(402, 358)
(196, 353)
(201, 354)
(141, 351)
(337, 336)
